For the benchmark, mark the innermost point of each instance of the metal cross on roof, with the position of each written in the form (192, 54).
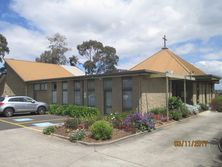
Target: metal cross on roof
(164, 42)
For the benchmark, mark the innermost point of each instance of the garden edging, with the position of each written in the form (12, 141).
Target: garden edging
(127, 137)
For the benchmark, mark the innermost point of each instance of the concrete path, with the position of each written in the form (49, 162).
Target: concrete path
(27, 148)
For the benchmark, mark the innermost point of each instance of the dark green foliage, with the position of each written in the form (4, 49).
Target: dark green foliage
(73, 61)
(101, 130)
(57, 49)
(156, 111)
(49, 130)
(72, 123)
(175, 103)
(74, 111)
(3, 46)
(88, 121)
(77, 135)
(100, 59)
(216, 104)
(176, 115)
(204, 107)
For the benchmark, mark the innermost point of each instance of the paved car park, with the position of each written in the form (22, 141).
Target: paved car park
(28, 148)
(34, 122)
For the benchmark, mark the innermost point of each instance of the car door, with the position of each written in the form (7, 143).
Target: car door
(30, 104)
(16, 103)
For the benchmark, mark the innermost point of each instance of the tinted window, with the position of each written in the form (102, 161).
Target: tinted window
(29, 99)
(17, 100)
(2, 98)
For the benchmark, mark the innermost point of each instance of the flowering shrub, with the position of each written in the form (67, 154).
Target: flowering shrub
(77, 135)
(140, 122)
(116, 119)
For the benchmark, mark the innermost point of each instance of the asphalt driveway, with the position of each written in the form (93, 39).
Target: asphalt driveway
(30, 121)
(24, 147)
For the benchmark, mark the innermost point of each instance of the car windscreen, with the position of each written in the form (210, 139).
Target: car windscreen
(2, 98)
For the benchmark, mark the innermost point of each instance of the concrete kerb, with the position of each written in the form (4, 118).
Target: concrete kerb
(133, 135)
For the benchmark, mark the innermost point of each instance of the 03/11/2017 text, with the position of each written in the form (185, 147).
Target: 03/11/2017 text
(190, 143)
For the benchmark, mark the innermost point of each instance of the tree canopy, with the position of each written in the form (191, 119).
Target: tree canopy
(99, 58)
(3, 47)
(57, 49)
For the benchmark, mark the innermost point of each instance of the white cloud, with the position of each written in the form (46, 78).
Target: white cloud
(135, 28)
(185, 49)
(23, 43)
(213, 56)
(211, 67)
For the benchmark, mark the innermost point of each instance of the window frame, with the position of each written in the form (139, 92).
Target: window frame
(65, 90)
(77, 90)
(127, 89)
(107, 89)
(91, 90)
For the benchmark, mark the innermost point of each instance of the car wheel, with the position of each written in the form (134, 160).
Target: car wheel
(41, 110)
(8, 112)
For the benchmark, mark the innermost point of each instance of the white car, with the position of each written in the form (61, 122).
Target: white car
(21, 104)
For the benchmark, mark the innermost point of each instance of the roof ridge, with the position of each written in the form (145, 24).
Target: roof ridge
(183, 61)
(145, 60)
(174, 56)
(30, 61)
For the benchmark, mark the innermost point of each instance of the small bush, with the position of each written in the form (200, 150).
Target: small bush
(175, 103)
(101, 130)
(184, 110)
(156, 111)
(72, 123)
(77, 135)
(176, 115)
(216, 104)
(53, 108)
(204, 107)
(49, 130)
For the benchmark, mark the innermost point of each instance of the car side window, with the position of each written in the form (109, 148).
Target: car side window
(17, 100)
(29, 99)
(14, 100)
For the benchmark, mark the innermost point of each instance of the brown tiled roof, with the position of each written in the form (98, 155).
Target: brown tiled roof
(165, 60)
(29, 71)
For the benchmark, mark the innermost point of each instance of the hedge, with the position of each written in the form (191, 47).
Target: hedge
(73, 111)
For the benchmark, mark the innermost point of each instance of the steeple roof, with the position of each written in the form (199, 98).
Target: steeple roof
(165, 60)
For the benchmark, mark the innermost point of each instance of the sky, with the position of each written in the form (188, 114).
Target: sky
(134, 27)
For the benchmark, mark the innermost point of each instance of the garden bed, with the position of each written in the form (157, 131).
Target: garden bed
(117, 134)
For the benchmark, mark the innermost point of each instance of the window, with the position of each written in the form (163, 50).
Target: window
(2, 98)
(36, 86)
(198, 92)
(42, 86)
(18, 99)
(28, 99)
(127, 94)
(64, 92)
(107, 96)
(54, 92)
(91, 96)
(77, 93)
